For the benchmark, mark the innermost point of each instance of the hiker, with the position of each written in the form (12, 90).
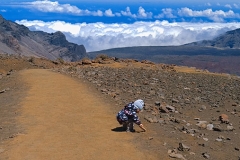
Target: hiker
(128, 115)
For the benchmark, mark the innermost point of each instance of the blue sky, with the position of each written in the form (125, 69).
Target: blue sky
(108, 24)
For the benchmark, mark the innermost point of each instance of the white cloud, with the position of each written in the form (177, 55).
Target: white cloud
(216, 16)
(208, 4)
(55, 7)
(48, 6)
(96, 13)
(109, 13)
(99, 36)
(3, 10)
(166, 13)
(235, 5)
(128, 13)
(143, 14)
(228, 6)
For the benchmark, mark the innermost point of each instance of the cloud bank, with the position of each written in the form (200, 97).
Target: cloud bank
(99, 36)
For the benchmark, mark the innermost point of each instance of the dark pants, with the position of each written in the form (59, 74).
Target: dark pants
(128, 125)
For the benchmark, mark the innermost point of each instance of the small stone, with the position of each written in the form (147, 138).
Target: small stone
(172, 151)
(192, 153)
(219, 139)
(205, 139)
(202, 124)
(217, 128)
(177, 155)
(150, 138)
(210, 127)
(236, 148)
(183, 147)
(170, 108)
(203, 107)
(157, 103)
(2, 91)
(175, 100)
(205, 155)
(224, 118)
(230, 128)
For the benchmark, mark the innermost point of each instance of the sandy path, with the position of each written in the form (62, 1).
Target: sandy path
(63, 119)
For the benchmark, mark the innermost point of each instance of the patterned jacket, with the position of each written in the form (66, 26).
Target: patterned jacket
(128, 113)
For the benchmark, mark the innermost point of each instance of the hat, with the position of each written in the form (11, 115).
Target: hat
(139, 104)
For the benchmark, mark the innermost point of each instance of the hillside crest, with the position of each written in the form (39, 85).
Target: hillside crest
(19, 40)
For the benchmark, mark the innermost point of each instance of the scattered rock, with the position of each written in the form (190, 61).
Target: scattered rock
(206, 155)
(202, 124)
(230, 128)
(157, 103)
(218, 128)
(219, 139)
(173, 154)
(210, 127)
(150, 138)
(177, 155)
(175, 100)
(2, 91)
(224, 118)
(183, 147)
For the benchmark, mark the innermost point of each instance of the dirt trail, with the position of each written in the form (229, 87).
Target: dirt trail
(63, 119)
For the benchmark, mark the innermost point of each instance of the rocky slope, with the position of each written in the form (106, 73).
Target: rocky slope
(194, 114)
(189, 113)
(230, 39)
(19, 40)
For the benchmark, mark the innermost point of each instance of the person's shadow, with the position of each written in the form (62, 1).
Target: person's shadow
(118, 129)
(121, 129)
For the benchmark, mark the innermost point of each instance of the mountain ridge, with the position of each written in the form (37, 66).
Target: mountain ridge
(230, 39)
(18, 39)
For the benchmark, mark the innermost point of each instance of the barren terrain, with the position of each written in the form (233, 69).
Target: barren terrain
(67, 111)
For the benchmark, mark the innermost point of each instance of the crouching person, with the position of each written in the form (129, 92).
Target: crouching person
(128, 115)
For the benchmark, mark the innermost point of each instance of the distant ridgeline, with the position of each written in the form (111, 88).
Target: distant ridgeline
(18, 39)
(221, 54)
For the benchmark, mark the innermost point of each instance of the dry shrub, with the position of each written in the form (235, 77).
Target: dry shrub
(102, 56)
